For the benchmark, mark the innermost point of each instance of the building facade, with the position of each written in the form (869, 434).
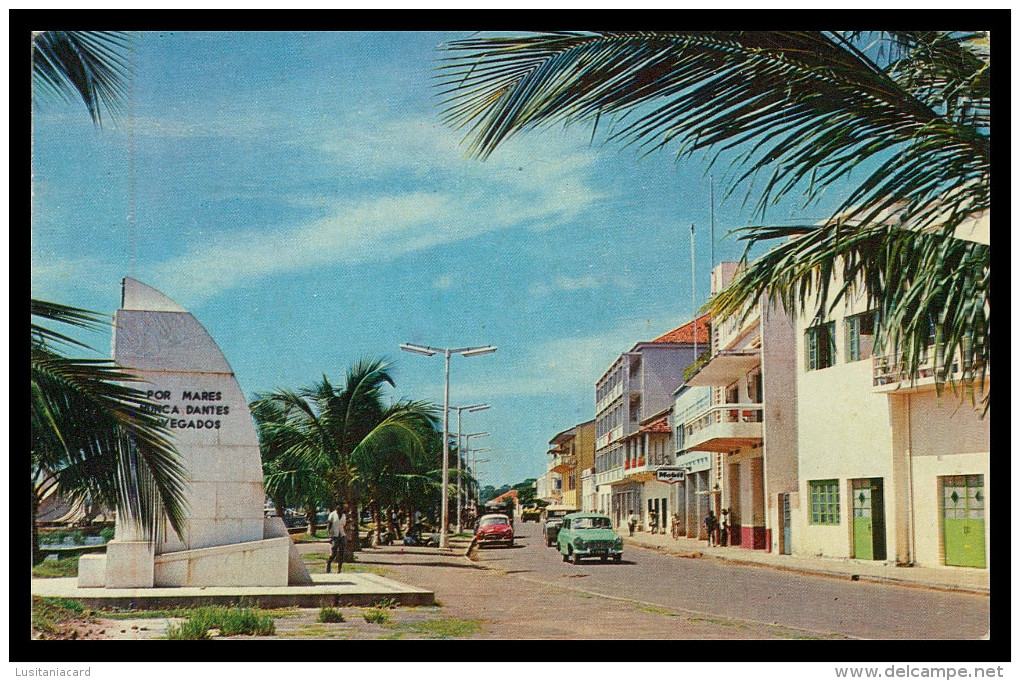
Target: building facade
(571, 453)
(749, 422)
(890, 469)
(635, 393)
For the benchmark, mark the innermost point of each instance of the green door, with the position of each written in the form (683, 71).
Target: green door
(863, 525)
(963, 520)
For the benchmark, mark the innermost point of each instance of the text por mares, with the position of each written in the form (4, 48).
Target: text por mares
(188, 409)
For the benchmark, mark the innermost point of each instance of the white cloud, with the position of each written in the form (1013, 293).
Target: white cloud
(438, 198)
(443, 282)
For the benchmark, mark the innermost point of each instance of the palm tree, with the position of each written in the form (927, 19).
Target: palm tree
(799, 110)
(325, 434)
(93, 436)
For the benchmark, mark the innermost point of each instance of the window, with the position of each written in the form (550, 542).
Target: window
(820, 346)
(860, 336)
(754, 393)
(824, 502)
(733, 393)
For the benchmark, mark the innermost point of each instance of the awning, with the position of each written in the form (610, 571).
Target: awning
(725, 367)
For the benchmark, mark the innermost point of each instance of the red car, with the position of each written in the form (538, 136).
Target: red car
(494, 529)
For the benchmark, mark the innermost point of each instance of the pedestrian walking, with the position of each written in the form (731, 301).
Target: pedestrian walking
(632, 523)
(724, 528)
(335, 524)
(653, 521)
(711, 525)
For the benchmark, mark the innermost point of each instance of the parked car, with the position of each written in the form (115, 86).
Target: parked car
(494, 528)
(553, 517)
(531, 513)
(588, 535)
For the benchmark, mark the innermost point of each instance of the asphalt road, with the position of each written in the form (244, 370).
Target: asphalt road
(702, 587)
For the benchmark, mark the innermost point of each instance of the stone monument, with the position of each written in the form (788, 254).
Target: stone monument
(227, 541)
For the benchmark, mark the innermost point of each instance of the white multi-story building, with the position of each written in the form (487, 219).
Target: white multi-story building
(889, 469)
(748, 421)
(635, 392)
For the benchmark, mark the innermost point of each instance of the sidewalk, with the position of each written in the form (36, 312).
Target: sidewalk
(950, 578)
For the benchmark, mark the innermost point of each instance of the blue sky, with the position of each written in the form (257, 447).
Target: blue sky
(299, 194)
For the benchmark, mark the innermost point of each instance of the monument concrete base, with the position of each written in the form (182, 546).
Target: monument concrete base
(358, 589)
(272, 561)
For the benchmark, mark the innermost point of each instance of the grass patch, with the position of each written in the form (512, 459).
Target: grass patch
(386, 604)
(62, 567)
(447, 627)
(303, 538)
(330, 615)
(376, 616)
(49, 614)
(230, 621)
(392, 637)
(657, 611)
(189, 630)
(721, 623)
(184, 612)
(784, 634)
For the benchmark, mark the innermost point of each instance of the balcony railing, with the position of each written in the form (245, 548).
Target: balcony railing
(889, 371)
(723, 427)
(563, 463)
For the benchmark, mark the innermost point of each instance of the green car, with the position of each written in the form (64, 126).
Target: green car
(589, 535)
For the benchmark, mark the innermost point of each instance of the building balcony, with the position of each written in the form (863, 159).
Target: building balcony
(609, 477)
(563, 463)
(609, 438)
(723, 428)
(726, 367)
(890, 373)
(640, 470)
(726, 333)
(609, 398)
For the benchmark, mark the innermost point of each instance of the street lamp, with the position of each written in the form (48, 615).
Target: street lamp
(474, 463)
(471, 408)
(428, 351)
(467, 442)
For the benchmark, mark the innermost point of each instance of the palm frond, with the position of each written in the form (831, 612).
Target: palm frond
(106, 439)
(803, 109)
(88, 64)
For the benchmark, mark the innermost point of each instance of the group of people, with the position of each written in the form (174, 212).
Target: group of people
(718, 529)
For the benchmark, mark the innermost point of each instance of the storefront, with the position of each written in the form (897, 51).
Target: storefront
(693, 496)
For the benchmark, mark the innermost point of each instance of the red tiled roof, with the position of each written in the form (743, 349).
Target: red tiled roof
(685, 333)
(660, 425)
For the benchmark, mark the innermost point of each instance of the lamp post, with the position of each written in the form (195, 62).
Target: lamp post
(469, 409)
(474, 462)
(428, 351)
(467, 442)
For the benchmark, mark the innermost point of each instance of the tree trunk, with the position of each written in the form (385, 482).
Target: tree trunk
(351, 531)
(310, 513)
(393, 524)
(377, 519)
(36, 556)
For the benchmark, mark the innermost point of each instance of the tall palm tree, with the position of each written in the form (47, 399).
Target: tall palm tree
(95, 437)
(798, 110)
(326, 433)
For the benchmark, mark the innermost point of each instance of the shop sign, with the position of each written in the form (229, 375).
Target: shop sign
(669, 474)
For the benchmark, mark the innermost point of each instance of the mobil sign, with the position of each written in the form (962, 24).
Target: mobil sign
(669, 474)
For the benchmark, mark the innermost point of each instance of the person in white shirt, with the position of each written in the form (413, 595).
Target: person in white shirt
(335, 524)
